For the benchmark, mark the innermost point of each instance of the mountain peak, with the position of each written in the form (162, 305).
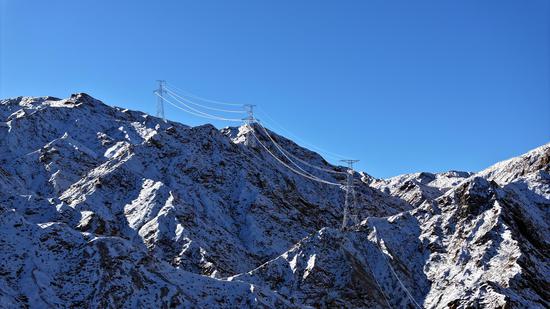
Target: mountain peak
(109, 207)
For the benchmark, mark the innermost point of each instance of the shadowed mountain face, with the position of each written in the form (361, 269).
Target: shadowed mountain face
(106, 207)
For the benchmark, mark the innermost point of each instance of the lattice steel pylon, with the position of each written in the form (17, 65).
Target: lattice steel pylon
(160, 103)
(249, 109)
(249, 121)
(350, 197)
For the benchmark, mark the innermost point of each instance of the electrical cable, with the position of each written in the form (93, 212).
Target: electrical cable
(375, 279)
(189, 94)
(393, 270)
(196, 114)
(204, 106)
(290, 168)
(201, 112)
(295, 137)
(196, 110)
(314, 166)
(283, 152)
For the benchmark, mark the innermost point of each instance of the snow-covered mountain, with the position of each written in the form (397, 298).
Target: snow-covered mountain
(106, 207)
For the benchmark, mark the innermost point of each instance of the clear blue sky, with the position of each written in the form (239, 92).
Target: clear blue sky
(404, 86)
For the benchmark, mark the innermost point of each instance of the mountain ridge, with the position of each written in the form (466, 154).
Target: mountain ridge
(208, 218)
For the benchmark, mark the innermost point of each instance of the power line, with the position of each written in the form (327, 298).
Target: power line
(393, 270)
(183, 109)
(289, 167)
(323, 151)
(286, 152)
(380, 287)
(192, 108)
(283, 152)
(189, 94)
(249, 121)
(313, 166)
(295, 137)
(201, 112)
(375, 279)
(205, 106)
(203, 115)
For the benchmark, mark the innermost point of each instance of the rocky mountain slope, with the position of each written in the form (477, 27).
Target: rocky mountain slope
(106, 207)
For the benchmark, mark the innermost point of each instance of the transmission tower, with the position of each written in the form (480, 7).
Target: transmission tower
(160, 103)
(249, 120)
(350, 196)
(249, 108)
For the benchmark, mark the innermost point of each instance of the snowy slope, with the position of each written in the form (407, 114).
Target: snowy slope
(419, 187)
(101, 206)
(477, 245)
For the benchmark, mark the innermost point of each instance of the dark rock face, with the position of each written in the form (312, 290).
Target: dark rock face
(105, 207)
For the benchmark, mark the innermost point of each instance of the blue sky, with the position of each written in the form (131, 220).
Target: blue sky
(404, 86)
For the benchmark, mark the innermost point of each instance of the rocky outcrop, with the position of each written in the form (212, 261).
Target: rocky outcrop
(106, 207)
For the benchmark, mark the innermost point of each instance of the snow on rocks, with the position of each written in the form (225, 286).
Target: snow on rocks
(107, 207)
